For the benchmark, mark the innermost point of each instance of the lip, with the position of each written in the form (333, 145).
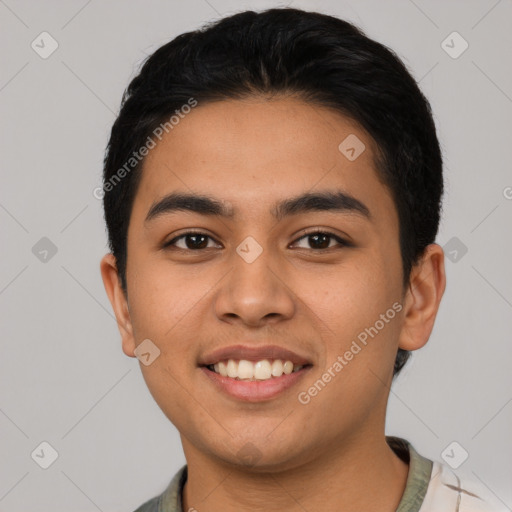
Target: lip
(254, 354)
(255, 391)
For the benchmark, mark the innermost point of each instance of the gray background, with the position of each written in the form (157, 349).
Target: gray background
(64, 378)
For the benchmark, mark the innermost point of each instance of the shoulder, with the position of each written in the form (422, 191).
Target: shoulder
(150, 505)
(460, 491)
(170, 499)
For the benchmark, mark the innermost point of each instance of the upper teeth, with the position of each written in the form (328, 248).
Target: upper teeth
(261, 370)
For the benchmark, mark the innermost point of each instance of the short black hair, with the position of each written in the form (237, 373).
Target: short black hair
(319, 58)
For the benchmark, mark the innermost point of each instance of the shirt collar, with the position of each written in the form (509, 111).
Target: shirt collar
(418, 478)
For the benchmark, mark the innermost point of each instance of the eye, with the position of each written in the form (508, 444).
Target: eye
(322, 240)
(191, 240)
(196, 241)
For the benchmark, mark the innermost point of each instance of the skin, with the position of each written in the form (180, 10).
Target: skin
(331, 453)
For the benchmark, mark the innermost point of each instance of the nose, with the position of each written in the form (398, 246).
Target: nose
(255, 293)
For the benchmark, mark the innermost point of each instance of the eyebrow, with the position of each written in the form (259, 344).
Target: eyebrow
(336, 200)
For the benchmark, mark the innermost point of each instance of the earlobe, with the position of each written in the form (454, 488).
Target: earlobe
(118, 301)
(426, 287)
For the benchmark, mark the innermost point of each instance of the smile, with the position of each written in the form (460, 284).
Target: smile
(251, 371)
(254, 373)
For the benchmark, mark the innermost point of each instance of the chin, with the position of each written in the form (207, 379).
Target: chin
(259, 455)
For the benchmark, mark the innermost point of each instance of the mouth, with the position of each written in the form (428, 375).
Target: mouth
(254, 374)
(250, 371)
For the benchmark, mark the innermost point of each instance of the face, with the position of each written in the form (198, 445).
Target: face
(252, 272)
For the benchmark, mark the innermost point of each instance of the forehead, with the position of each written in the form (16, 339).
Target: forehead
(254, 151)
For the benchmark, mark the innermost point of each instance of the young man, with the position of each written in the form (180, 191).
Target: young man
(272, 195)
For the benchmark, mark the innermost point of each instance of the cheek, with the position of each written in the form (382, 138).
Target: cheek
(160, 297)
(351, 297)
(165, 306)
(360, 311)
(358, 306)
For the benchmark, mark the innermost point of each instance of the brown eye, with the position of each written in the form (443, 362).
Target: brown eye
(319, 240)
(191, 241)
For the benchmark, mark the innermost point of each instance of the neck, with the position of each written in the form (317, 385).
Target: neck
(357, 476)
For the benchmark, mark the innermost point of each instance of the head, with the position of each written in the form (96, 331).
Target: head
(277, 123)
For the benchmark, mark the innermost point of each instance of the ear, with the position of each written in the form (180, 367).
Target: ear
(426, 287)
(119, 302)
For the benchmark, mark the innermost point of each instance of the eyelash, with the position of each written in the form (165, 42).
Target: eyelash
(341, 242)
